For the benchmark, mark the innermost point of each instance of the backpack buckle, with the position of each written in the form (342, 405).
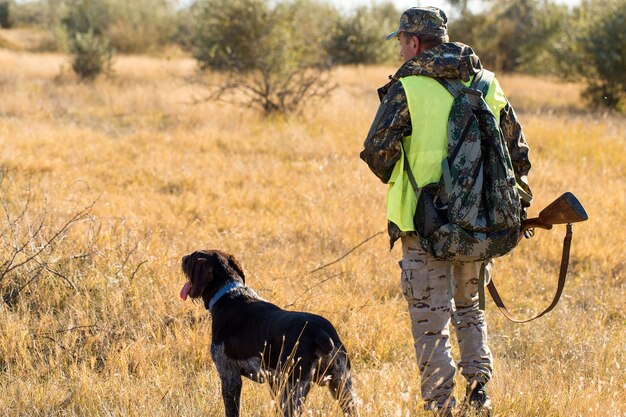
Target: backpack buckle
(472, 91)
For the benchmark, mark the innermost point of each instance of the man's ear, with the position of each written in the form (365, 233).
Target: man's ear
(202, 274)
(418, 45)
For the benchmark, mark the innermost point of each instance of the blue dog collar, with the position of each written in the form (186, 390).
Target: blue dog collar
(222, 292)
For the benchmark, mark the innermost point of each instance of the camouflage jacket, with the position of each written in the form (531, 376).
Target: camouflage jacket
(393, 121)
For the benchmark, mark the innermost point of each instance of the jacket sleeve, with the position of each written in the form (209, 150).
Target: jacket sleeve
(391, 124)
(518, 149)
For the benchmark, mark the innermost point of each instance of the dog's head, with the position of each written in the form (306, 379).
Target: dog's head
(207, 271)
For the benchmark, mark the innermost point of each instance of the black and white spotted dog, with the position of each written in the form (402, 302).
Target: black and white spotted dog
(256, 339)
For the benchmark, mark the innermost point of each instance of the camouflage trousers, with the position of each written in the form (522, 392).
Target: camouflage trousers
(425, 287)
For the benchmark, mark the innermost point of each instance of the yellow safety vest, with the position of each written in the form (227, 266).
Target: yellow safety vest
(429, 106)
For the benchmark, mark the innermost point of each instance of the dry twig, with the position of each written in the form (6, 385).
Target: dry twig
(347, 253)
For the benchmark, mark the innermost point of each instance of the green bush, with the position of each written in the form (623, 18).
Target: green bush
(240, 33)
(271, 54)
(130, 27)
(477, 31)
(86, 22)
(32, 13)
(360, 37)
(140, 25)
(594, 50)
(84, 16)
(92, 55)
(586, 43)
(229, 35)
(513, 36)
(185, 26)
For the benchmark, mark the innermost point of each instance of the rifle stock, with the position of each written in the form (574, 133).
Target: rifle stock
(564, 210)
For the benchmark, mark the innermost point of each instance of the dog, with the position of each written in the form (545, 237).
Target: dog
(256, 339)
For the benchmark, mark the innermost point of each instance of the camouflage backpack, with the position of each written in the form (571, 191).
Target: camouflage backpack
(473, 213)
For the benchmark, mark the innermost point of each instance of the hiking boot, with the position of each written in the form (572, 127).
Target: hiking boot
(477, 400)
(440, 411)
(443, 412)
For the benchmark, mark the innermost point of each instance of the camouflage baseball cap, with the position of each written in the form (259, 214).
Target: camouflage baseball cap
(422, 20)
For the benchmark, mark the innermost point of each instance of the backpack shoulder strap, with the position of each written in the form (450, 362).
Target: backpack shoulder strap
(482, 81)
(456, 87)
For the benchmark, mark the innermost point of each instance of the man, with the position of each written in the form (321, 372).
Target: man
(414, 109)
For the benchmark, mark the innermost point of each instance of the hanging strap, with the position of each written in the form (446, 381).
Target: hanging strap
(561, 284)
(409, 173)
(449, 265)
(481, 286)
(449, 278)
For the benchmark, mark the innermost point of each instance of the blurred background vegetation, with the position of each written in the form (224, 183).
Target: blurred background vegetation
(585, 42)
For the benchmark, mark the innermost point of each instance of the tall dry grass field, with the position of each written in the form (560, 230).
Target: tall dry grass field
(100, 330)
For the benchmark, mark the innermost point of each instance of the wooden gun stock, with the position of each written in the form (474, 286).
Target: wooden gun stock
(564, 210)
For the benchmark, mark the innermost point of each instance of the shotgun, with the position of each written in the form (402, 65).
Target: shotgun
(564, 210)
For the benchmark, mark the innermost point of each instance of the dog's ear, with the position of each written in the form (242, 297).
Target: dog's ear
(230, 265)
(237, 267)
(201, 275)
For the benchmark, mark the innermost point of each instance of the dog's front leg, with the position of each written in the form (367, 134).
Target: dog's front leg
(343, 392)
(231, 393)
(340, 384)
(293, 396)
(230, 374)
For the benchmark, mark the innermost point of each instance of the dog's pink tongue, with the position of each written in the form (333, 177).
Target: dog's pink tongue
(185, 291)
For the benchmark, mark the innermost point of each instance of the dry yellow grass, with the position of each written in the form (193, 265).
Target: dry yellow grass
(284, 196)
(21, 39)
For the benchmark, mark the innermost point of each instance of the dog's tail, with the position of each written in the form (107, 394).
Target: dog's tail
(323, 342)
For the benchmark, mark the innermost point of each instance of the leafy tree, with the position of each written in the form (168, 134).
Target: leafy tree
(476, 30)
(140, 25)
(360, 37)
(185, 27)
(459, 4)
(594, 49)
(516, 22)
(513, 36)
(5, 14)
(32, 13)
(43, 14)
(270, 55)
(534, 54)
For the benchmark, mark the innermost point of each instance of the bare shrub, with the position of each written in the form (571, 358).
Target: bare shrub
(33, 243)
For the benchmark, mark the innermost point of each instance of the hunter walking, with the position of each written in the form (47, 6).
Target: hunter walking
(410, 133)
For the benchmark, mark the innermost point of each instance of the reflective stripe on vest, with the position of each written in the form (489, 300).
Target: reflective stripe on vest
(428, 144)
